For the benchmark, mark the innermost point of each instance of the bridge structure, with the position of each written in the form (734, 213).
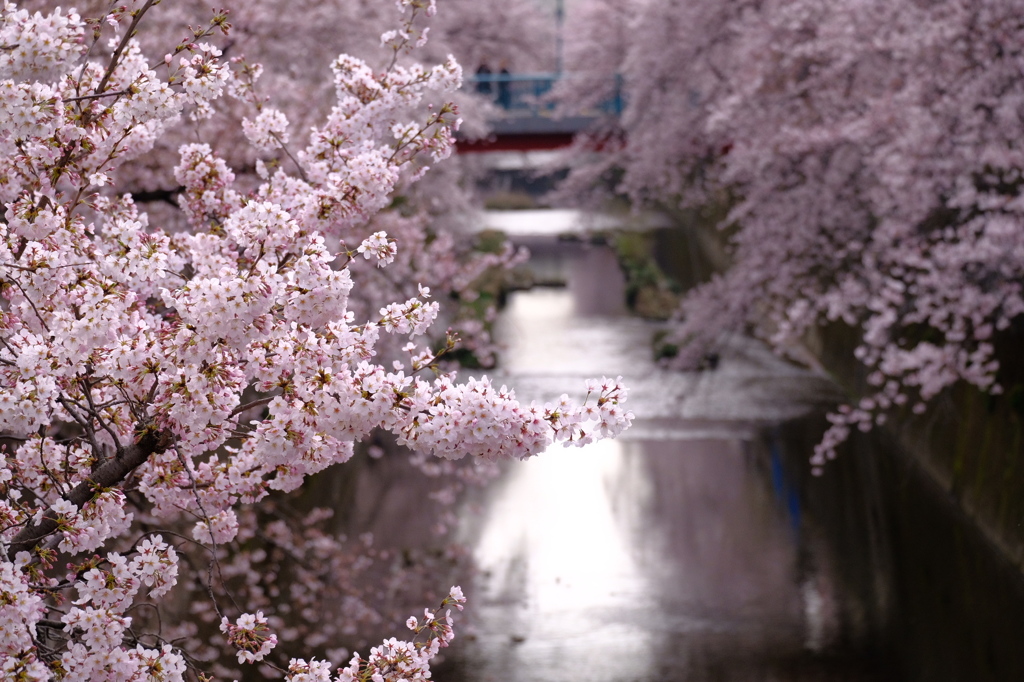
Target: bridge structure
(527, 120)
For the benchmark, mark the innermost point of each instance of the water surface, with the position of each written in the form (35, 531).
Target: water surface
(673, 553)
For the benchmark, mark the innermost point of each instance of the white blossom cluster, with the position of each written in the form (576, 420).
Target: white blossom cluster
(186, 373)
(863, 160)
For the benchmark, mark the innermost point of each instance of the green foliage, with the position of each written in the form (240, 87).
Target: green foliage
(650, 292)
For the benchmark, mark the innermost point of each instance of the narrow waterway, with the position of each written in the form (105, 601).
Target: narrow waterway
(674, 553)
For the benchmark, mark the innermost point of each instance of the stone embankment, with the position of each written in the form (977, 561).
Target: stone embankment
(926, 512)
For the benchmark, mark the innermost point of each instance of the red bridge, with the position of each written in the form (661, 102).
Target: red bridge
(528, 121)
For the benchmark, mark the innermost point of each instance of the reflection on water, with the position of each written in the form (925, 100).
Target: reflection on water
(644, 560)
(555, 222)
(560, 567)
(557, 337)
(560, 570)
(667, 555)
(556, 507)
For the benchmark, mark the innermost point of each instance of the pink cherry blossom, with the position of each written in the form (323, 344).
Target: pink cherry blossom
(862, 160)
(166, 365)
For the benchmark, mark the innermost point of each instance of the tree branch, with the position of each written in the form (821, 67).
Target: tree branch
(248, 406)
(82, 98)
(116, 57)
(169, 196)
(115, 470)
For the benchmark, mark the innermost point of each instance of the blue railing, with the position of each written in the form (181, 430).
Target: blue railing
(527, 94)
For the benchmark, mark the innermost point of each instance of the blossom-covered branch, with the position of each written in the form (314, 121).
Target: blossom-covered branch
(188, 370)
(865, 161)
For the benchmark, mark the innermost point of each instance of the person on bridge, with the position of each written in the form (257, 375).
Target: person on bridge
(483, 78)
(504, 86)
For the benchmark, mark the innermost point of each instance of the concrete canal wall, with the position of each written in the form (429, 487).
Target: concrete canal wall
(925, 514)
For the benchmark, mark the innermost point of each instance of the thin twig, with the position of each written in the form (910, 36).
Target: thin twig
(248, 406)
(48, 267)
(86, 423)
(96, 95)
(287, 152)
(214, 561)
(116, 57)
(87, 389)
(30, 302)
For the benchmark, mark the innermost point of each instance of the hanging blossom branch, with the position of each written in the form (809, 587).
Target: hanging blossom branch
(864, 160)
(128, 352)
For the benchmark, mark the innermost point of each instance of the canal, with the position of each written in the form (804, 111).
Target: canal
(697, 547)
(677, 552)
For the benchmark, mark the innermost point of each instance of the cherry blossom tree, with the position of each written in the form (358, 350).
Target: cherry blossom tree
(159, 373)
(293, 51)
(870, 154)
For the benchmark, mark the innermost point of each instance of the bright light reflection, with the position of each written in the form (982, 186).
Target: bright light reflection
(556, 511)
(549, 222)
(535, 328)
